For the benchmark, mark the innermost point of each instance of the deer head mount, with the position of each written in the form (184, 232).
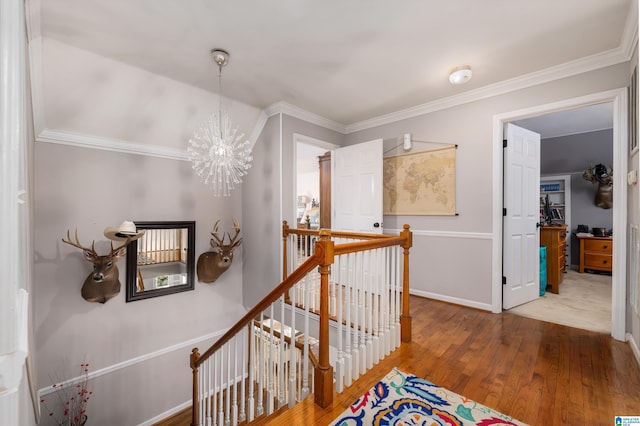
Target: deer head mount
(103, 283)
(604, 178)
(212, 264)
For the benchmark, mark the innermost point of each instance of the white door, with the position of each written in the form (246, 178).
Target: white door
(521, 253)
(357, 188)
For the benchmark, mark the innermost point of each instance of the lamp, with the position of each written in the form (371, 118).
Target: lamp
(302, 201)
(460, 75)
(218, 154)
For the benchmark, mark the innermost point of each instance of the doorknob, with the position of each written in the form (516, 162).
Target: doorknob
(376, 225)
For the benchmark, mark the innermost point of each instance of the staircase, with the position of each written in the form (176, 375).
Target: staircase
(342, 307)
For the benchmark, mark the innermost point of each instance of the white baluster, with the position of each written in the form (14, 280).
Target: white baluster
(243, 374)
(251, 366)
(220, 392)
(214, 399)
(305, 350)
(270, 366)
(338, 282)
(227, 408)
(281, 356)
(370, 273)
(201, 393)
(362, 311)
(355, 352)
(292, 350)
(377, 261)
(349, 287)
(398, 293)
(207, 392)
(234, 404)
(260, 356)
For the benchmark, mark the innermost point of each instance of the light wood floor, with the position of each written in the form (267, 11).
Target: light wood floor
(540, 373)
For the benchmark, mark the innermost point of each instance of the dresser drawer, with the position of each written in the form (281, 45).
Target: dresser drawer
(597, 261)
(603, 246)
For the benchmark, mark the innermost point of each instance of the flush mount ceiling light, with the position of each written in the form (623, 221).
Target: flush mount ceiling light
(460, 75)
(218, 154)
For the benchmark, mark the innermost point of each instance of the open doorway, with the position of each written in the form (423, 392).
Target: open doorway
(311, 195)
(572, 142)
(619, 100)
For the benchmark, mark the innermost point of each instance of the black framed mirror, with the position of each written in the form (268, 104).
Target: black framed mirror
(162, 261)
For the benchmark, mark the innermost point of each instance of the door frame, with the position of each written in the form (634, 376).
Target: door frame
(620, 164)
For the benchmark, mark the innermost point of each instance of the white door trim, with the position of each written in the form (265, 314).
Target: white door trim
(619, 99)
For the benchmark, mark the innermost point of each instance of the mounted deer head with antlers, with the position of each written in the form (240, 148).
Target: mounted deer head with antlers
(213, 263)
(103, 283)
(604, 178)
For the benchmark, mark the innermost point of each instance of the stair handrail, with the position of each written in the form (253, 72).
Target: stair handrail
(322, 258)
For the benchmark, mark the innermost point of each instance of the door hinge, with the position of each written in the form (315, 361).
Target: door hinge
(504, 143)
(504, 280)
(504, 212)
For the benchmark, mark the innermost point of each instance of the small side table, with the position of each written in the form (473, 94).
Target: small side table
(596, 253)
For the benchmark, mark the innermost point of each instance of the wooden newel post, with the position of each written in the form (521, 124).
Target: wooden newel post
(195, 410)
(405, 318)
(285, 237)
(323, 373)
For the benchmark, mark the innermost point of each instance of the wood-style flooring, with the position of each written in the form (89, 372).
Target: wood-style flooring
(537, 372)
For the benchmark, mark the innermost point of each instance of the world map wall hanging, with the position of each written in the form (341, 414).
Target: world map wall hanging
(421, 183)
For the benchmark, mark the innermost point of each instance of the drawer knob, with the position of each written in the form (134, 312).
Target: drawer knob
(605, 247)
(604, 262)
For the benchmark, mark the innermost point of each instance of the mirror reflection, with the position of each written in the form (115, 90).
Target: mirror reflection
(162, 261)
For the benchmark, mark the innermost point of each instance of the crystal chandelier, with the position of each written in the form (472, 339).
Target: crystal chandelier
(218, 153)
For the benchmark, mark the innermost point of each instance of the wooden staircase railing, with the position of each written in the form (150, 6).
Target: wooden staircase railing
(359, 283)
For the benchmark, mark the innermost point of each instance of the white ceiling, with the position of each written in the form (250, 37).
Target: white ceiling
(347, 61)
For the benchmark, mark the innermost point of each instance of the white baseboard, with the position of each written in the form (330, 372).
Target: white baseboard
(166, 414)
(455, 300)
(634, 347)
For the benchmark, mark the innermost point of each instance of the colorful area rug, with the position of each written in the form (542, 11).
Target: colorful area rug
(402, 399)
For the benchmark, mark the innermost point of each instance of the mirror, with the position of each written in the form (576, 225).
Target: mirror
(162, 261)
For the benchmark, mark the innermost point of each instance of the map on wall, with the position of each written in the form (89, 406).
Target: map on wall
(421, 183)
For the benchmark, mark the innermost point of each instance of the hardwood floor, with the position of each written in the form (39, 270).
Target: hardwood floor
(539, 373)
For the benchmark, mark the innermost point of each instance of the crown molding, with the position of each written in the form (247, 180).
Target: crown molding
(107, 144)
(296, 112)
(629, 41)
(568, 69)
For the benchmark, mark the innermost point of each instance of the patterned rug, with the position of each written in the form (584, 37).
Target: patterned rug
(402, 399)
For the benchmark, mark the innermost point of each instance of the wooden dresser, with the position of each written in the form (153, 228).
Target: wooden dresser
(554, 239)
(596, 253)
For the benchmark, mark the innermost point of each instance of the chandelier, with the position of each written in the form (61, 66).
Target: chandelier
(220, 155)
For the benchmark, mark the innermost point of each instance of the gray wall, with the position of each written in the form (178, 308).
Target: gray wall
(142, 346)
(571, 155)
(268, 194)
(452, 256)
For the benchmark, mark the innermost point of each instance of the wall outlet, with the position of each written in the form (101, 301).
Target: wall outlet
(632, 177)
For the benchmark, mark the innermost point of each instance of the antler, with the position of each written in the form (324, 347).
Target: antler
(219, 242)
(214, 233)
(236, 227)
(113, 251)
(588, 174)
(78, 245)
